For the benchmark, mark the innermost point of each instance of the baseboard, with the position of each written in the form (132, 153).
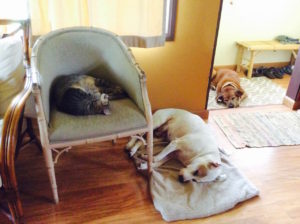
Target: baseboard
(272, 64)
(290, 103)
(204, 114)
(232, 67)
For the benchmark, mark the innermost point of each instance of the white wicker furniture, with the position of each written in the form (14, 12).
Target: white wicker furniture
(93, 51)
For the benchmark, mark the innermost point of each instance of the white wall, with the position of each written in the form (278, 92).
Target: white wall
(243, 20)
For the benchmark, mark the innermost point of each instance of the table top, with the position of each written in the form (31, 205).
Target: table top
(267, 45)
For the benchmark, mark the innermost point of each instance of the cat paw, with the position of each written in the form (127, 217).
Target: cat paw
(104, 99)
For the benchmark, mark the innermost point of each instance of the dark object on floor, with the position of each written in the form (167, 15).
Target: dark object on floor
(258, 72)
(287, 69)
(272, 72)
(287, 40)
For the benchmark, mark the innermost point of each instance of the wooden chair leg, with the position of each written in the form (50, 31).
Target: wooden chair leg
(150, 150)
(11, 206)
(31, 133)
(51, 172)
(251, 62)
(239, 59)
(16, 211)
(32, 137)
(9, 190)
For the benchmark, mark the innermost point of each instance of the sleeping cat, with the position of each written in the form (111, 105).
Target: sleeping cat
(84, 95)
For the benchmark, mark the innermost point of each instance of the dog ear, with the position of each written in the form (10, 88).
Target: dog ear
(202, 171)
(239, 93)
(220, 99)
(213, 165)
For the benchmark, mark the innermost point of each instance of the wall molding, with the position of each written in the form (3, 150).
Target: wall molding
(272, 64)
(290, 103)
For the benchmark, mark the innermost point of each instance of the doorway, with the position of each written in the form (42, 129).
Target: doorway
(238, 24)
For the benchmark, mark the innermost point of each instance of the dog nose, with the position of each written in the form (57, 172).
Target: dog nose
(181, 179)
(231, 105)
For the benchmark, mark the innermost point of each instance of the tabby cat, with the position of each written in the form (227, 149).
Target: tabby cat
(84, 95)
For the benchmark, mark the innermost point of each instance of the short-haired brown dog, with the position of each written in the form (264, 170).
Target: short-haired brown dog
(227, 84)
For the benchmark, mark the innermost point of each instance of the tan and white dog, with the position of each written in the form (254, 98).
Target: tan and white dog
(227, 84)
(190, 142)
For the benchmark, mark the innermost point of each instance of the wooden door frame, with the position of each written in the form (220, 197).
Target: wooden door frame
(213, 55)
(292, 98)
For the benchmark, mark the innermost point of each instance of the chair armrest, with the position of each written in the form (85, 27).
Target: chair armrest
(10, 131)
(9, 142)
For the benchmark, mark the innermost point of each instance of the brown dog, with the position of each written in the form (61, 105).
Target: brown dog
(227, 84)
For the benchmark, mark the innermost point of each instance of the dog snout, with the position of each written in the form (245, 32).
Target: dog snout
(231, 105)
(181, 179)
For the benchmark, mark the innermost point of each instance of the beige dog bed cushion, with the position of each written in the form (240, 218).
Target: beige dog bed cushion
(177, 201)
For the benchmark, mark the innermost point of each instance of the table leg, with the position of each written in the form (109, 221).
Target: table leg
(250, 69)
(239, 58)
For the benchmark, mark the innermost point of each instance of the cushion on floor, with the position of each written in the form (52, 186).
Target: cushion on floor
(177, 201)
(125, 116)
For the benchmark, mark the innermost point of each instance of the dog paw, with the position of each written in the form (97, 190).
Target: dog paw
(130, 144)
(222, 177)
(142, 166)
(131, 153)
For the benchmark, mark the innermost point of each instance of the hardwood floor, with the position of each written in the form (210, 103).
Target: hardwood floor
(284, 82)
(98, 183)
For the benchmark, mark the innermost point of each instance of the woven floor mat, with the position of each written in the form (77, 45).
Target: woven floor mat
(260, 91)
(261, 129)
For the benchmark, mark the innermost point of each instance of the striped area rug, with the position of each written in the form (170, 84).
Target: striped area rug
(260, 90)
(261, 129)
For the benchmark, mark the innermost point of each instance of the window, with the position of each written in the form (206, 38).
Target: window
(171, 19)
(14, 9)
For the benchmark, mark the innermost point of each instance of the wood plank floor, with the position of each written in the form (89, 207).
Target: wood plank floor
(284, 82)
(99, 184)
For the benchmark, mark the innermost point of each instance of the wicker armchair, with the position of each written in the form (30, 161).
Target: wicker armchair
(93, 51)
(10, 127)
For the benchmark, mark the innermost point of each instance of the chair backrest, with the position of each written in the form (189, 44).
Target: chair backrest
(83, 50)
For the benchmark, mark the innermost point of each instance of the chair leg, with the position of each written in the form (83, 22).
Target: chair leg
(51, 173)
(16, 210)
(31, 133)
(150, 150)
(9, 190)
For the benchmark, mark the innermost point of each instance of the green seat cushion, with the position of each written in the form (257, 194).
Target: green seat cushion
(125, 116)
